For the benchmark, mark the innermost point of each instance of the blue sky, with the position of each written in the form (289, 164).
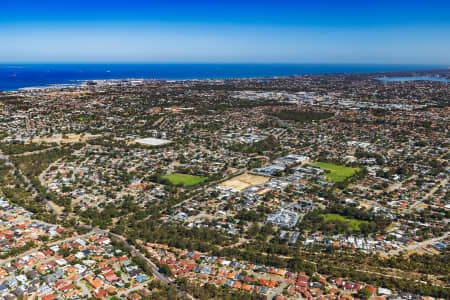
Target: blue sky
(364, 31)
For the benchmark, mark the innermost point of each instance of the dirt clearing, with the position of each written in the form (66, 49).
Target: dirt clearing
(244, 181)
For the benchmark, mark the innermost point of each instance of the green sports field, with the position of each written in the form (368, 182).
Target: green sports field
(184, 179)
(353, 222)
(337, 173)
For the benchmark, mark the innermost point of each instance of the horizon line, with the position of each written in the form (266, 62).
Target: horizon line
(223, 63)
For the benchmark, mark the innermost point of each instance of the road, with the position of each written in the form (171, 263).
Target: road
(116, 237)
(25, 269)
(136, 288)
(398, 185)
(431, 193)
(420, 245)
(27, 181)
(84, 288)
(277, 291)
(3, 261)
(9, 163)
(135, 252)
(273, 293)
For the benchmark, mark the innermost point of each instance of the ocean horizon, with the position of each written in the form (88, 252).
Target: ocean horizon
(16, 76)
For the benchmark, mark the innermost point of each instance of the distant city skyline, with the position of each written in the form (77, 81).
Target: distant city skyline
(384, 32)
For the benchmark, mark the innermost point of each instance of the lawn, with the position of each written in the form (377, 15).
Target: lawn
(337, 173)
(353, 222)
(184, 179)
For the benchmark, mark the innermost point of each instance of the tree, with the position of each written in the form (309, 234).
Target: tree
(165, 270)
(364, 293)
(64, 251)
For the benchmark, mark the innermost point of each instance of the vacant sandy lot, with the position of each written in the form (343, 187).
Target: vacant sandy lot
(69, 138)
(152, 141)
(244, 181)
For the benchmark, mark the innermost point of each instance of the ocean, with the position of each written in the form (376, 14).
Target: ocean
(15, 76)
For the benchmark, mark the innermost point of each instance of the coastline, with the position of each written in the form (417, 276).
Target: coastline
(60, 76)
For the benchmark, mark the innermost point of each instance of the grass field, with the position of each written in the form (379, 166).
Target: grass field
(184, 179)
(353, 222)
(337, 173)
